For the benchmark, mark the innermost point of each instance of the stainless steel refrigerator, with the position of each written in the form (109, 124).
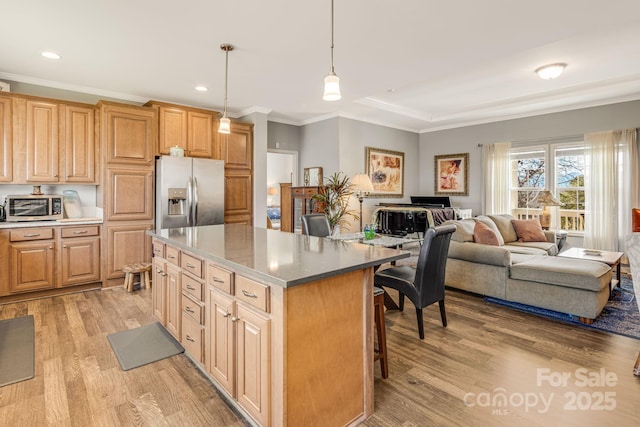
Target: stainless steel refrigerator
(189, 192)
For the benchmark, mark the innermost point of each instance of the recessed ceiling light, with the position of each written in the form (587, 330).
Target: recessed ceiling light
(551, 71)
(51, 55)
(201, 88)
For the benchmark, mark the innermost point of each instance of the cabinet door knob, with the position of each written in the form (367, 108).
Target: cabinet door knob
(227, 314)
(235, 319)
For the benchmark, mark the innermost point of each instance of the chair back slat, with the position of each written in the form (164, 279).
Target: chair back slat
(316, 225)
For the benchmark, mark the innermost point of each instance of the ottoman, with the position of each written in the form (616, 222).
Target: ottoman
(577, 287)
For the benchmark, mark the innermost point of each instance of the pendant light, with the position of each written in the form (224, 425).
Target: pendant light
(331, 82)
(225, 123)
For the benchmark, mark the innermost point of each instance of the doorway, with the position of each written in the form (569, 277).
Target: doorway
(282, 166)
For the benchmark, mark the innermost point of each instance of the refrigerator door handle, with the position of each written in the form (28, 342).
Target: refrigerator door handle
(195, 201)
(189, 201)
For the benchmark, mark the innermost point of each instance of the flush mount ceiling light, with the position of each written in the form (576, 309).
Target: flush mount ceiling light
(331, 82)
(201, 88)
(551, 71)
(50, 55)
(225, 123)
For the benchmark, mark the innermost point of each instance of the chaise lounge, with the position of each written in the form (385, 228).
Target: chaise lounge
(519, 264)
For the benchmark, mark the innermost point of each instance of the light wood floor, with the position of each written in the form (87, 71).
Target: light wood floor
(453, 377)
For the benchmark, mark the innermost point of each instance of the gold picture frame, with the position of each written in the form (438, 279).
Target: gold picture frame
(451, 174)
(385, 168)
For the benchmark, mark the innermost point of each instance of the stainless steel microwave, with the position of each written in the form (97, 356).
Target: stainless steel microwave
(33, 207)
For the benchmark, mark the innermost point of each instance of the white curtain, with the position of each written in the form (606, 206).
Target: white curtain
(611, 187)
(496, 177)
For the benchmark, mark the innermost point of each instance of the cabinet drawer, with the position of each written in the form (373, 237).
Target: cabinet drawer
(172, 255)
(192, 287)
(158, 249)
(193, 337)
(191, 264)
(90, 230)
(297, 191)
(220, 278)
(253, 293)
(23, 234)
(192, 308)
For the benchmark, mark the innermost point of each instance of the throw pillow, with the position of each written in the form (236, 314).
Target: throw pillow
(484, 235)
(492, 225)
(529, 230)
(503, 222)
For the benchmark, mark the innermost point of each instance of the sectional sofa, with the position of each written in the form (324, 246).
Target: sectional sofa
(526, 272)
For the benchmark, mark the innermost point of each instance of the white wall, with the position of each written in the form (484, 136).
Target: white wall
(279, 169)
(549, 126)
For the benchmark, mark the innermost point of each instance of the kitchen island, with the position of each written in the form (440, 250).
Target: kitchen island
(286, 320)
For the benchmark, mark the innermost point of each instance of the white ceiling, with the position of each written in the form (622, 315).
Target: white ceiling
(419, 65)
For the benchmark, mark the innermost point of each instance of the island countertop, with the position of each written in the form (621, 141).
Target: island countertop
(279, 258)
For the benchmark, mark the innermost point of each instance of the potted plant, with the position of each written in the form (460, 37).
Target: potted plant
(333, 200)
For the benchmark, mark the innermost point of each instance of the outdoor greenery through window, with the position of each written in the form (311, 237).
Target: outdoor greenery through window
(556, 167)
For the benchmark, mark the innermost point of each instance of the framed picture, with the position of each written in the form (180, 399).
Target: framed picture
(451, 174)
(386, 171)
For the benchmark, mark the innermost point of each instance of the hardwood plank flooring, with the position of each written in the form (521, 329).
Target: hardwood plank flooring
(491, 366)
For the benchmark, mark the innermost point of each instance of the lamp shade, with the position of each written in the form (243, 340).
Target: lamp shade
(272, 191)
(331, 88)
(225, 125)
(361, 183)
(547, 198)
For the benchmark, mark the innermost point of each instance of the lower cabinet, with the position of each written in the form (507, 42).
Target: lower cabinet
(159, 289)
(174, 308)
(44, 258)
(80, 255)
(238, 351)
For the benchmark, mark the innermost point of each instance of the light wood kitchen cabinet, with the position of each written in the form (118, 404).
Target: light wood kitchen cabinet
(236, 148)
(6, 140)
(125, 244)
(193, 316)
(31, 259)
(238, 352)
(238, 197)
(78, 146)
(174, 303)
(130, 194)
(186, 127)
(127, 133)
(159, 289)
(80, 255)
(38, 131)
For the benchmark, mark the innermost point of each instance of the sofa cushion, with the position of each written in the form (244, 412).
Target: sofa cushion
(485, 254)
(524, 248)
(492, 225)
(549, 248)
(575, 273)
(484, 235)
(503, 223)
(464, 230)
(528, 230)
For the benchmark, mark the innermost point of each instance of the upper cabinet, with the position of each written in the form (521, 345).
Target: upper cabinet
(78, 146)
(6, 141)
(188, 128)
(128, 133)
(36, 148)
(46, 141)
(236, 148)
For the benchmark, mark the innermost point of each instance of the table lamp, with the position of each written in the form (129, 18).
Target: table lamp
(546, 198)
(361, 186)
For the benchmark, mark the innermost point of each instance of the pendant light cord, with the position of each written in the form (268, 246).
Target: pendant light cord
(332, 69)
(226, 78)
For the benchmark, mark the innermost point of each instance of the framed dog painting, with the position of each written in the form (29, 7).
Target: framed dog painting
(386, 171)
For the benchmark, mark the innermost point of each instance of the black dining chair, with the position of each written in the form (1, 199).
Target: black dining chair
(424, 284)
(316, 225)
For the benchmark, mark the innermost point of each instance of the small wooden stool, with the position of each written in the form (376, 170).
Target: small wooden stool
(378, 313)
(141, 269)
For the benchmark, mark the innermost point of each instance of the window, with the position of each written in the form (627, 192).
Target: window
(559, 168)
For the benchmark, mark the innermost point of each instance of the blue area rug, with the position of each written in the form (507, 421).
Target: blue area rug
(620, 315)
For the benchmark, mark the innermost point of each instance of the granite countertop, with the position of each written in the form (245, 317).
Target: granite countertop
(279, 258)
(66, 221)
